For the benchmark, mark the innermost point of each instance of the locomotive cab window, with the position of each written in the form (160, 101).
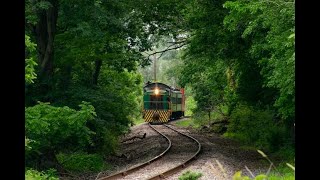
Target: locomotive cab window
(156, 102)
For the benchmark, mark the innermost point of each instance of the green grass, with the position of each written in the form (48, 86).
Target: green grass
(284, 173)
(189, 175)
(280, 159)
(286, 153)
(184, 123)
(138, 121)
(187, 123)
(288, 176)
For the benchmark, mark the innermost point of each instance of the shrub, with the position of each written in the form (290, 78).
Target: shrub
(53, 129)
(81, 162)
(50, 174)
(257, 127)
(190, 176)
(200, 118)
(106, 139)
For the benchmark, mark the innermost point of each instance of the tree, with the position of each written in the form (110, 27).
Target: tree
(42, 17)
(270, 27)
(250, 45)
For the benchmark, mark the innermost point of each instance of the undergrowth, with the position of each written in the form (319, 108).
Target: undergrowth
(282, 171)
(32, 174)
(189, 175)
(82, 162)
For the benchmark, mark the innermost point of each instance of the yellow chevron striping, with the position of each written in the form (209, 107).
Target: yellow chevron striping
(164, 115)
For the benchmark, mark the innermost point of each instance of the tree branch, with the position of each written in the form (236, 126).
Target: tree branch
(167, 49)
(178, 42)
(220, 111)
(135, 137)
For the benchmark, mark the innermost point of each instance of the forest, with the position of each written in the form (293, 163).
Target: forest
(86, 62)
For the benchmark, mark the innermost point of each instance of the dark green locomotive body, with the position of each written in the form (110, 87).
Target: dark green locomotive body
(162, 103)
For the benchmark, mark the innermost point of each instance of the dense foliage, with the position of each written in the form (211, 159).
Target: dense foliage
(243, 52)
(54, 129)
(85, 51)
(236, 58)
(270, 28)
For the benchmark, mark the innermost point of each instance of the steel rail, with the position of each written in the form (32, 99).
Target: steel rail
(134, 168)
(183, 164)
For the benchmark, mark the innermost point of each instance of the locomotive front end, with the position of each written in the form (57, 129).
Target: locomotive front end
(156, 106)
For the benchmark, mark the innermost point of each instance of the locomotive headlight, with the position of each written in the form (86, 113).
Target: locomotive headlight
(156, 91)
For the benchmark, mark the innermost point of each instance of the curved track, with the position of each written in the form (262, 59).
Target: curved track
(182, 164)
(180, 146)
(139, 166)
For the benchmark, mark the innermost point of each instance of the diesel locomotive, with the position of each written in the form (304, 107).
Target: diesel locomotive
(162, 103)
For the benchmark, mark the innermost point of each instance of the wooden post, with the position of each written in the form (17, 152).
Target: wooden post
(155, 67)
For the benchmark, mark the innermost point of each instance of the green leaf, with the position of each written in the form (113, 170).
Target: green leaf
(261, 177)
(238, 176)
(262, 153)
(292, 36)
(291, 166)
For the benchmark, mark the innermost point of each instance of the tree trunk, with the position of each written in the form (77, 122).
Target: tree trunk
(209, 117)
(96, 72)
(45, 33)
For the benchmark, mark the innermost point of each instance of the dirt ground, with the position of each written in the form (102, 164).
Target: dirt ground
(215, 150)
(229, 154)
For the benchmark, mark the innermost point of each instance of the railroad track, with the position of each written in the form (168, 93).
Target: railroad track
(182, 164)
(165, 163)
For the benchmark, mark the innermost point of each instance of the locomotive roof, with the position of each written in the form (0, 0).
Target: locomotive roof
(160, 86)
